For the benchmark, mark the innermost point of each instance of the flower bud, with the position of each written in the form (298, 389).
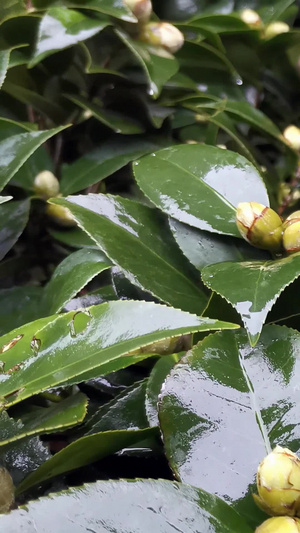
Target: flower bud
(291, 236)
(259, 225)
(278, 483)
(162, 34)
(250, 17)
(7, 490)
(46, 185)
(141, 9)
(280, 524)
(292, 136)
(61, 215)
(276, 28)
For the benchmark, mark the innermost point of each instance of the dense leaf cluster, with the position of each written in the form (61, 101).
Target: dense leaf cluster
(141, 337)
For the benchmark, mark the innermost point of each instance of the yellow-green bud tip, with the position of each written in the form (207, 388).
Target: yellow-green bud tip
(250, 17)
(276, 28)
(162, 34)
(46, 185)
(291, 233)
(292, 136)
(141, 9)
(61, 215)
(259, 225)
(278, 482)
(280, 524)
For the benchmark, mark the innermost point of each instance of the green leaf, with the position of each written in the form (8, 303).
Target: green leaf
(104, 161)
(58, 417)
(13, 220)
(133, 235)
(84, 451)
(115, 120)
(4, 199)
(158, 65)
(9, 8)
(76, 238)
(15, 150)
(225, 405)
(61, 28)
(155, 382)
(18, 306)
(70, 277)
(4, 62)
(23, 457)
(161, 506)
(126, 411)
(115, 8)
(200, 185)
(203, 248)
(252, 287)
(87, 341)
(38, 162)
(220, 23)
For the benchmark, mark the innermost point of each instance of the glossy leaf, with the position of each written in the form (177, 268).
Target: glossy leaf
(155, 382)
(4, 199)
(70, 277)
(104, 161)
(23, 457)
(76, 238)
(61, 28)
(84, 451)
(133, 235)
(158, 65)
(15, 150)
(115, 8)
(203, 248)
(159, 505)
(126, 411)
(58, 417)
(13, 219)
(200, 185)
(4, 62)
(87, 341)
(225, 405)
(252, 287)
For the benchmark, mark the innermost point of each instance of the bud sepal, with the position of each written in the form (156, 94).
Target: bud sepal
(279, 524)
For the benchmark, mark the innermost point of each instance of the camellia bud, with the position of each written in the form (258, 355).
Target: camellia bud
(291, 233)
(162, 34)
(259, 225)
(276, 28)
(280, 524)
(250, 17)
(46, 185)
(7, 490)
(61, 215)
(292, 136)
(278, 483)
(141, 9)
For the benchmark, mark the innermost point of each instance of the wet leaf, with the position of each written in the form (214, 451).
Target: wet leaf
(159, 505)
(71, 275)
(133, 235)
(60, 28)
(155, 382)
(252, 287)
(58, 417)
(13, 219)
(203, 248)
(84, 451)
(87, 342)
(15, 150)
(200, 185)
(104, 161)
(115, 8)
(158, 65)
(225, 405)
